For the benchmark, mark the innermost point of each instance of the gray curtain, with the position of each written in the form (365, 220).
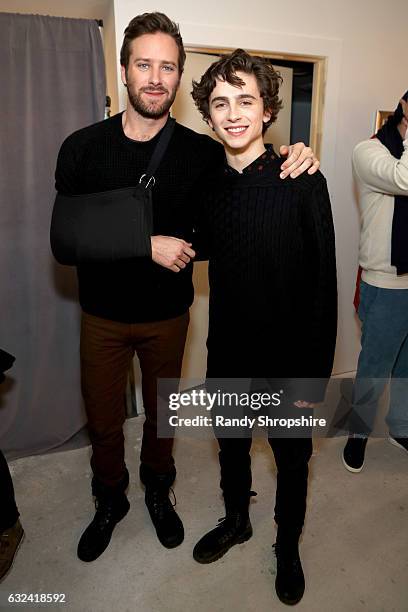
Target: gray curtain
(52, 77)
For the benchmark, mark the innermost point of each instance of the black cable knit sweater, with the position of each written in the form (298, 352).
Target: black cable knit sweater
(272, 272)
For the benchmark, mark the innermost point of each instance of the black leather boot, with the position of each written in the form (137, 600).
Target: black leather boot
(234, 528)
(111, 506)
(165, 519)
(290, 580)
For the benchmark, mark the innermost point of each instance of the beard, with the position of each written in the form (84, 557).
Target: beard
(150, 110)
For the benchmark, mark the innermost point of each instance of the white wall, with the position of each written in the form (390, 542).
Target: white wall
(364, 41)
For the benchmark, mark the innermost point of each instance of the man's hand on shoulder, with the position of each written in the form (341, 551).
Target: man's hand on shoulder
(171, 253)
(299, 159)
(304, 404)
(404, 121)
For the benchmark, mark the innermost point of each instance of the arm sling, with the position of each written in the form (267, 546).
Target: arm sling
(110, 225)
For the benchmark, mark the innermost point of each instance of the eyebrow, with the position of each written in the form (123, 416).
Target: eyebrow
(225, 98)
(148, 59)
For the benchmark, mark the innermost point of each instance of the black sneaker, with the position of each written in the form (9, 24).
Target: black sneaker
(401, 443)
(96, 537)
(235, 528)
(165, 519)
(290, 580)
(353, 454)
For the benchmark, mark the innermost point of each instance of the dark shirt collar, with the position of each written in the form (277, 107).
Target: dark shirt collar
(257, 165)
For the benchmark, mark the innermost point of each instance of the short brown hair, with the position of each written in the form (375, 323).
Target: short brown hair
(150, 23)
(225, 69)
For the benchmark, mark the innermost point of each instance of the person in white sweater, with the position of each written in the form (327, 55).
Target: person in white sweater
(380, 167)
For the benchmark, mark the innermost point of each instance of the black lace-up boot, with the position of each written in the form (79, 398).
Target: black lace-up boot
(290, 580)
(234, 528)
(165, 519)
(111, 506)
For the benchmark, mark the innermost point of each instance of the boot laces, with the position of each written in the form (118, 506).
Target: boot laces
(229, 523)
(104, 513)
(236, 513)
(161, 503)
(288, 559)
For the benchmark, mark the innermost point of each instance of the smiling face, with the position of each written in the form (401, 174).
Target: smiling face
(237, 116)
(152, 75)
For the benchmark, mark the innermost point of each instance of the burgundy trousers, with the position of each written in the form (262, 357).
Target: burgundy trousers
(107, 350)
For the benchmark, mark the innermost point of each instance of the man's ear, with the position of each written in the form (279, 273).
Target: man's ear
(266, 116)
(123, 75)
(210, 123)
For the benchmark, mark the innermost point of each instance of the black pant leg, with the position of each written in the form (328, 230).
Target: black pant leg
(236, 476)
(291, 456)
(8, 509)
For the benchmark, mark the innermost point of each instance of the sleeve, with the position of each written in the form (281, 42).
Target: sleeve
(67, 172)
(320, 335)
(63, 237)
(375, 167)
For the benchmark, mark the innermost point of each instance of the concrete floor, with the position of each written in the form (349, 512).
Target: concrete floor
(354, 549)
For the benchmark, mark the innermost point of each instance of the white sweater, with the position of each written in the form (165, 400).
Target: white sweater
(379, 177)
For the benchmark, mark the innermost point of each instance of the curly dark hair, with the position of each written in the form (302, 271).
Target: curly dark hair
(225, 69)
(150, 23)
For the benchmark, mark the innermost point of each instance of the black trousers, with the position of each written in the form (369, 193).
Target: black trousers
(8, 509)
(291, 456)
(244, 350)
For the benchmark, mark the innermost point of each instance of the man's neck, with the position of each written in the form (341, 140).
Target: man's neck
(141, 128)
(240, 159)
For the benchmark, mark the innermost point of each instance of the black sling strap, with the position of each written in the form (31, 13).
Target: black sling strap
(148, 178)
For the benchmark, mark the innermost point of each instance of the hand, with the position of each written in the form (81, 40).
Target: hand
(302, 404)
(171, 253)
(404, 121)
(300, 158)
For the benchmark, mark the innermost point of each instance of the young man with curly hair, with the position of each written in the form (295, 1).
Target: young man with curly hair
(273, 296)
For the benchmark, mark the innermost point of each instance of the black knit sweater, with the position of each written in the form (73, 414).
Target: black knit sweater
(273, 295)
(101, 158)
